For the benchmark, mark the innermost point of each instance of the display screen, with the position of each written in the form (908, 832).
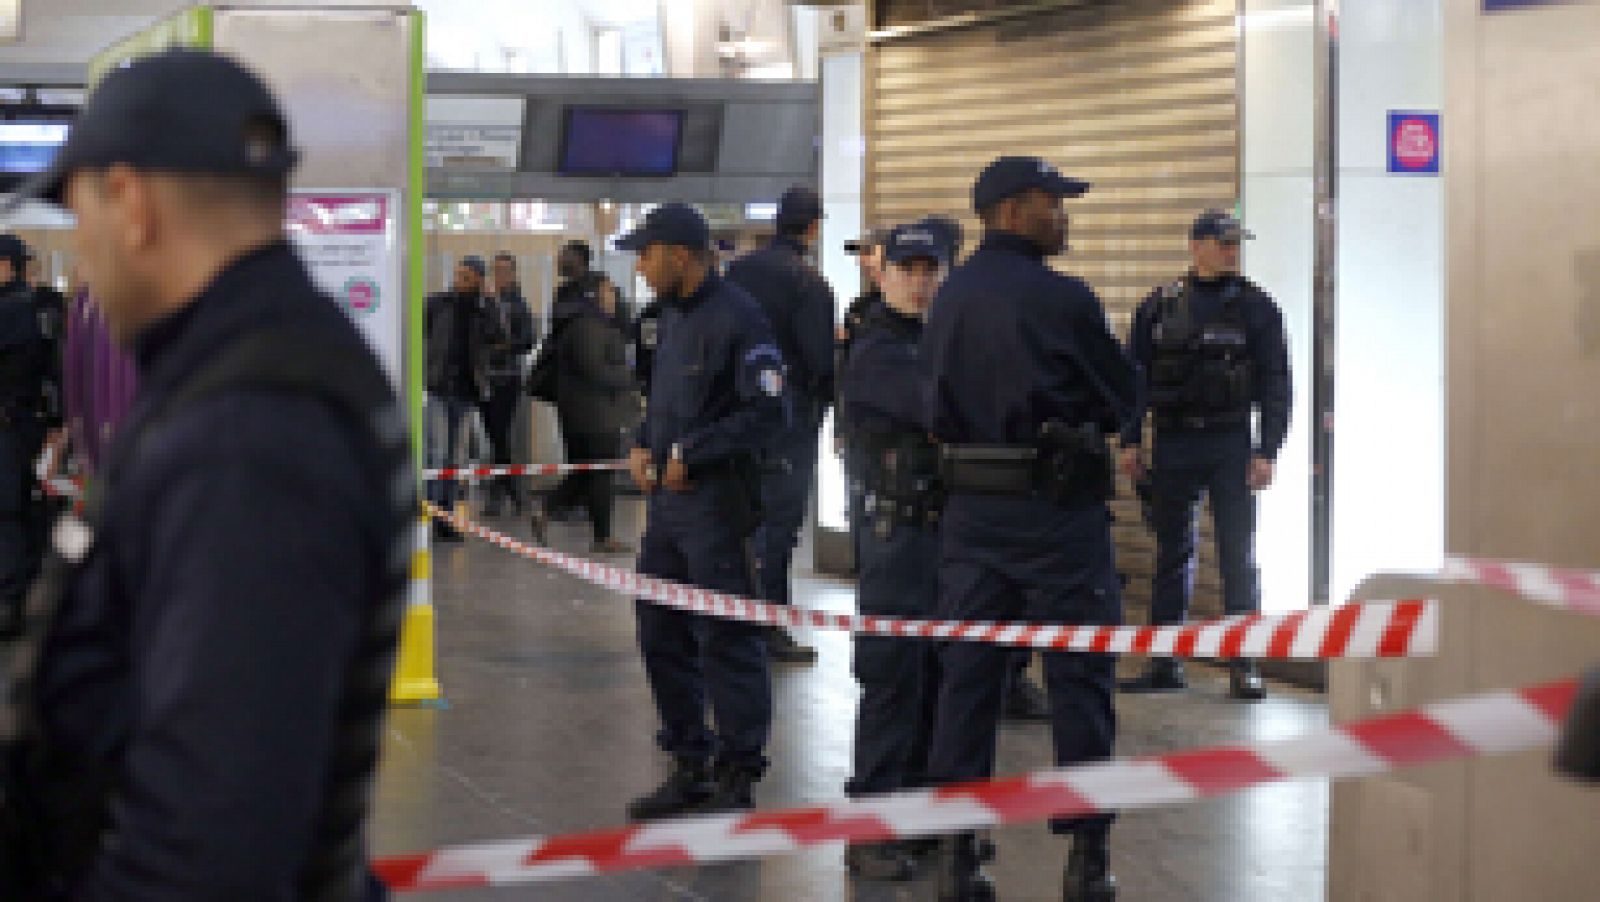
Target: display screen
(28, 145)
(618, 141)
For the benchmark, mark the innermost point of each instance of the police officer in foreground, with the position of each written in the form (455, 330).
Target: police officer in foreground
(897, 536)
(1214, 356)
(716, 403)
(1026, 379)
(799, 304)
(196, 702)
(26, 354)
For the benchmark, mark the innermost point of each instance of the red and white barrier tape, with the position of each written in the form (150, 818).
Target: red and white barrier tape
(1377, 629)
(1577, 591)
(522, 470)
(1488, 724)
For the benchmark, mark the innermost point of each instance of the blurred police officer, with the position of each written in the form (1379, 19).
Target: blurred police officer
(799, 304)
(1026, 377)
(25, 368)
(213, 642)
(1214, 356)
(898, 537)
(716, 403)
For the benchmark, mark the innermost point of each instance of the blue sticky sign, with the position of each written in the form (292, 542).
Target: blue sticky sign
(1490, 6)
(1414, 143)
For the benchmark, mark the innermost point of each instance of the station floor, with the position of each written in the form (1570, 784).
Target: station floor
(549, 723)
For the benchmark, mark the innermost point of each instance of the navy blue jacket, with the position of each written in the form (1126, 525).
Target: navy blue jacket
(799, 305)
(1012, 344)
(199, 655)
(716, 386)
(1267, 343)
(882, 386)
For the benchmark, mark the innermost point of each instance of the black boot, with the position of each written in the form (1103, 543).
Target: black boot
(893, 861)
(491, 506)
(734, 789)
(1244, 681)
(784, 649)
(961, 875)
(1025, 699)
(1160, 675)
(1088, 877)
(686, 790)
(445, 533)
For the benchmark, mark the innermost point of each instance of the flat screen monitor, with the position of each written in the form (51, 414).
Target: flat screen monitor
(619, 141)
(28, 146)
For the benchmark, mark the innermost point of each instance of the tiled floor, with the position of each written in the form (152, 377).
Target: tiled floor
(549, 725)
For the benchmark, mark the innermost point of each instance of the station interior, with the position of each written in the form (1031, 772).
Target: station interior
(1420, 178)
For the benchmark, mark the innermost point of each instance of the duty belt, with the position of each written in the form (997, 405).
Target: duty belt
(990, 469)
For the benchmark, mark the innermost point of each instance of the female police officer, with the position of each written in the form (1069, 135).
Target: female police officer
(882, 391)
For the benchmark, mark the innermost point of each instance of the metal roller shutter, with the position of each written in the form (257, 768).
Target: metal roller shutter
(1139, 97)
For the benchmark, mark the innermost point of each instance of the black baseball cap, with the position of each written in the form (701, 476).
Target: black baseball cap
(1221, 225)
(948, 230)
(1011, 176)
(915, 241)
(799, 207)
(178, 111)
(673, 223)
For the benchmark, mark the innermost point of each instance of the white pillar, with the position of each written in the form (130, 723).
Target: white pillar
(1279, 136)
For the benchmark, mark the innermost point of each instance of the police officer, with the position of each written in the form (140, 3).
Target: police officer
(25, 369)
(1025, 377)
(898, 536)
(213, 641)
(716, 404)
(1214, 354)
(799, 304)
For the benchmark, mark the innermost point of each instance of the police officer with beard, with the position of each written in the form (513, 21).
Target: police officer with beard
(26, 366)
(1025, 380)
(716, 405)
(1216, 376)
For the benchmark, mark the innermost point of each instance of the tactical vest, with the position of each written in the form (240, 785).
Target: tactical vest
(1202, 374)
(336, 869)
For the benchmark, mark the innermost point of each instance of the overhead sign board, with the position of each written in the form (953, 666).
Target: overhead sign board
(456, 146)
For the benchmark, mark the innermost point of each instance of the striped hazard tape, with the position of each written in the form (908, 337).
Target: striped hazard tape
(1577, 591)
(1492, 723)
(1376, 629)
(522, 470)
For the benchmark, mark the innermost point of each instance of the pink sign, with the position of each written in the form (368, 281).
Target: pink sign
(339, 214)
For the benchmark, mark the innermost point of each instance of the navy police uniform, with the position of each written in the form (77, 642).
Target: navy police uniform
(716, 403)
(1215, 360)
(213, 647)
(883, 398)
(1025, 375)
(800, 306)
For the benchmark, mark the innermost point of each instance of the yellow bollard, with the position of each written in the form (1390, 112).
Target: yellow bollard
(414, 676)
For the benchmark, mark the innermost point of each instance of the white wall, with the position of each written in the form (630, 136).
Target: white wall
(1388, 476)
(1279, 137)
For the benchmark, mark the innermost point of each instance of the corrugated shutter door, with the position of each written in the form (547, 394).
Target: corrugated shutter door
(1140, 98)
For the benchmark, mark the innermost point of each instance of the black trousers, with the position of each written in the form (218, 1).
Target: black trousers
(499, 415)
(594, 490)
